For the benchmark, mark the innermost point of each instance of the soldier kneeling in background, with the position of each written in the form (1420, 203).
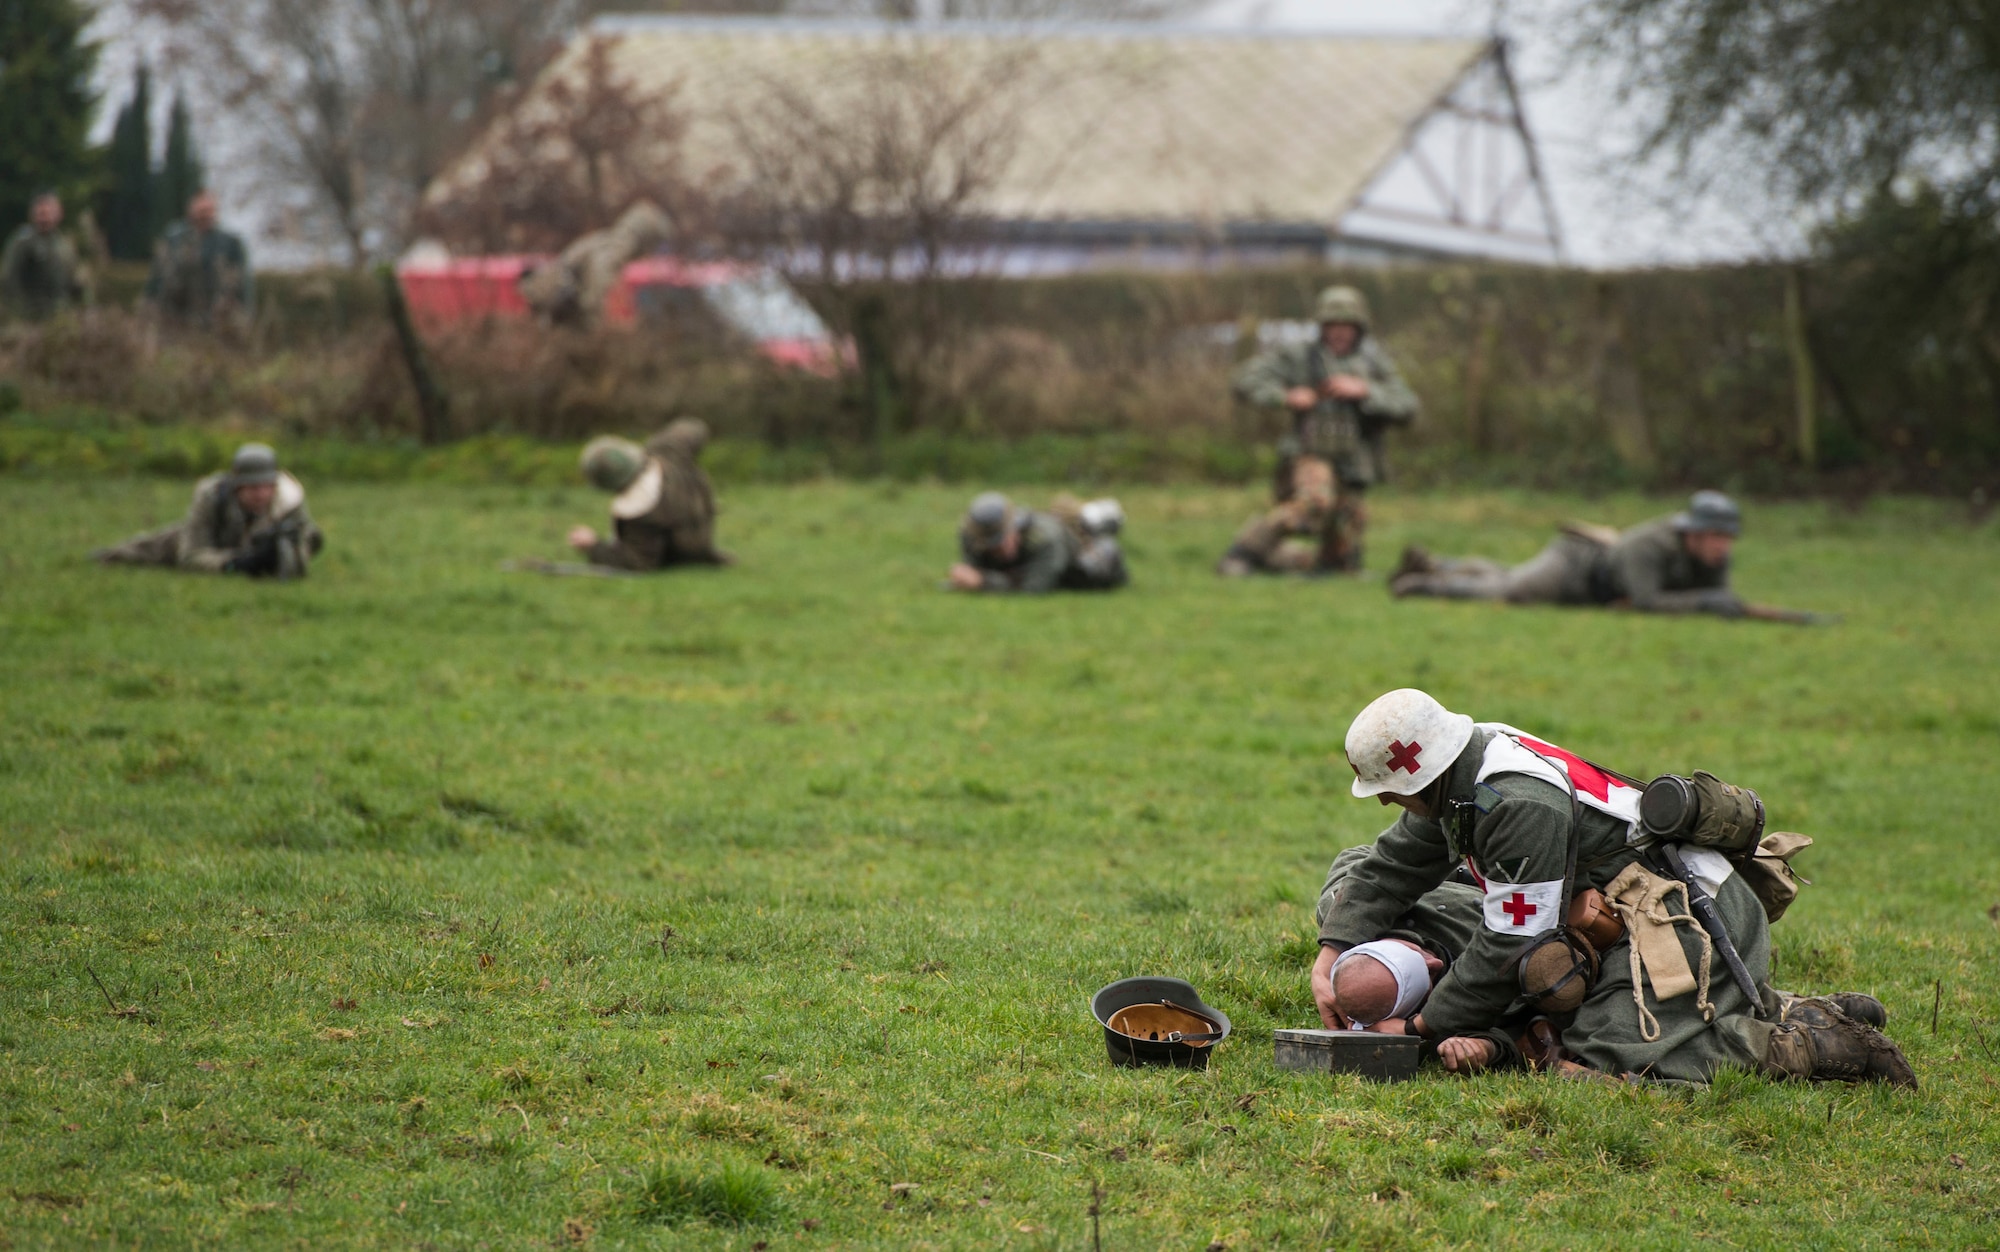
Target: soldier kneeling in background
(1072, 547)
(663, 510)
(251, 520)
(1290, 537)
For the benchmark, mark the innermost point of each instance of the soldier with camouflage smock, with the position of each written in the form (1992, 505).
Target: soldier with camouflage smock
(1677, 564)
(250, 521)
(201, 273)
(663, 507)
(1343, 392)
(1007, 548)
(1531, 822)
(40, 272)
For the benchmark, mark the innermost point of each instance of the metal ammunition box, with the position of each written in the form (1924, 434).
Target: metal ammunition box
(1384, 1058)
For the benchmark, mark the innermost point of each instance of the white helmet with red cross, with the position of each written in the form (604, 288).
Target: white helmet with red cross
(1403, 741)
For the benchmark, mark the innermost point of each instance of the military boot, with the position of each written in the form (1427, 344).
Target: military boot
(1416, 560)
(1834, 1047)
(1236, 563)
(1865, 1009)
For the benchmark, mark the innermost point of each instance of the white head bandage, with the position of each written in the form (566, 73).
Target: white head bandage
(1413, 975)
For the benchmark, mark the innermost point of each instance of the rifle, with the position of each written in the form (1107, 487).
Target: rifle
(566, 569)
(1795, 617)
(1702, 905)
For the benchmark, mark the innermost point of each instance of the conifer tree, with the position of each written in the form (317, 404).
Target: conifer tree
(181, 174)
(45, 103)
(126, 210)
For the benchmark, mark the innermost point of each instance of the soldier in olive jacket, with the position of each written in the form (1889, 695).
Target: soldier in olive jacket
(1677, 564)
(663, 511)
(201, 273)
(1343, 392)
(41, 274)
(251, 521)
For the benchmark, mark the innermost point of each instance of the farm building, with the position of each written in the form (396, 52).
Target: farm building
(1072, 147)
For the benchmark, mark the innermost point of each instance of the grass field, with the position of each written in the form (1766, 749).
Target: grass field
(440, 906)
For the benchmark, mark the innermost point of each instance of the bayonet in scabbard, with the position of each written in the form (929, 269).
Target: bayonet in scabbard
(1702, 905)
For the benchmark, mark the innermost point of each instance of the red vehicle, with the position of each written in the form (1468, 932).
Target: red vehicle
(753, 301)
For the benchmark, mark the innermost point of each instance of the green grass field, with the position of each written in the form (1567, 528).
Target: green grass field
(440, 906)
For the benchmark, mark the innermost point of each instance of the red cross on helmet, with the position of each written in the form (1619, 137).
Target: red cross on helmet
(1403, 741)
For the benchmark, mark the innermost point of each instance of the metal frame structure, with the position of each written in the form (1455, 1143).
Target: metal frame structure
(1467, 172)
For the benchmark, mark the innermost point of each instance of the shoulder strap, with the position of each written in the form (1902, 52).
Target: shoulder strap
(1575, 831)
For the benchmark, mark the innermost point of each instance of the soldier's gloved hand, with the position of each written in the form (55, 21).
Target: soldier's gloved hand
(1347, 387)
(1721, 602)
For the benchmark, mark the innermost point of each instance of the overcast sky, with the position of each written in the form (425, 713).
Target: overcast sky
(1612, 214)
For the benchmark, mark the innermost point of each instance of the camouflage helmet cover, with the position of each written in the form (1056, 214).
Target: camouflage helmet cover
(612, 464)
(1342, 304)
(988, 521)
(253, 464)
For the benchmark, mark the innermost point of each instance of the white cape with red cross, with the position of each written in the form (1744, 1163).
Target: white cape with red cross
(1529, 908)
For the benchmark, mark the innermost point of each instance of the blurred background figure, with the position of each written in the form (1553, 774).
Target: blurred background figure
(662, 507)
(251, 520)
(1072, 547)
(201, 273)
(1343, 391)
(1677, 564)
(41, 274)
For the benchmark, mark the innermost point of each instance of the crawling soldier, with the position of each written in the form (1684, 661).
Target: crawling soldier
(1006, 548)
(251, 520)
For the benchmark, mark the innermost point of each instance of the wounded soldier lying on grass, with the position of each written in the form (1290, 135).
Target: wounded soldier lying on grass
(250, 521)
(1381, 984)
(1641, 934)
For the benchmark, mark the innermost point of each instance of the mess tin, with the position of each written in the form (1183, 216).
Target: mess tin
(1383, 1058)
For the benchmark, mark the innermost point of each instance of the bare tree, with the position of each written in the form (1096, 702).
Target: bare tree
(359, 102)
(589, 145)
(877, 173)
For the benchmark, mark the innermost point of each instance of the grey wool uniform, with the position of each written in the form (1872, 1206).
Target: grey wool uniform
(219, 536)
(1049, 557)
(1516, 830)
(1647, 567)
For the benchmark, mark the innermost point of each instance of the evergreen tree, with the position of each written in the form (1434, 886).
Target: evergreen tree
(45, 103)
(181, 175)
(126, 211)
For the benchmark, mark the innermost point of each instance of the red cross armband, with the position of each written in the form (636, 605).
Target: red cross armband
(1522, 909)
